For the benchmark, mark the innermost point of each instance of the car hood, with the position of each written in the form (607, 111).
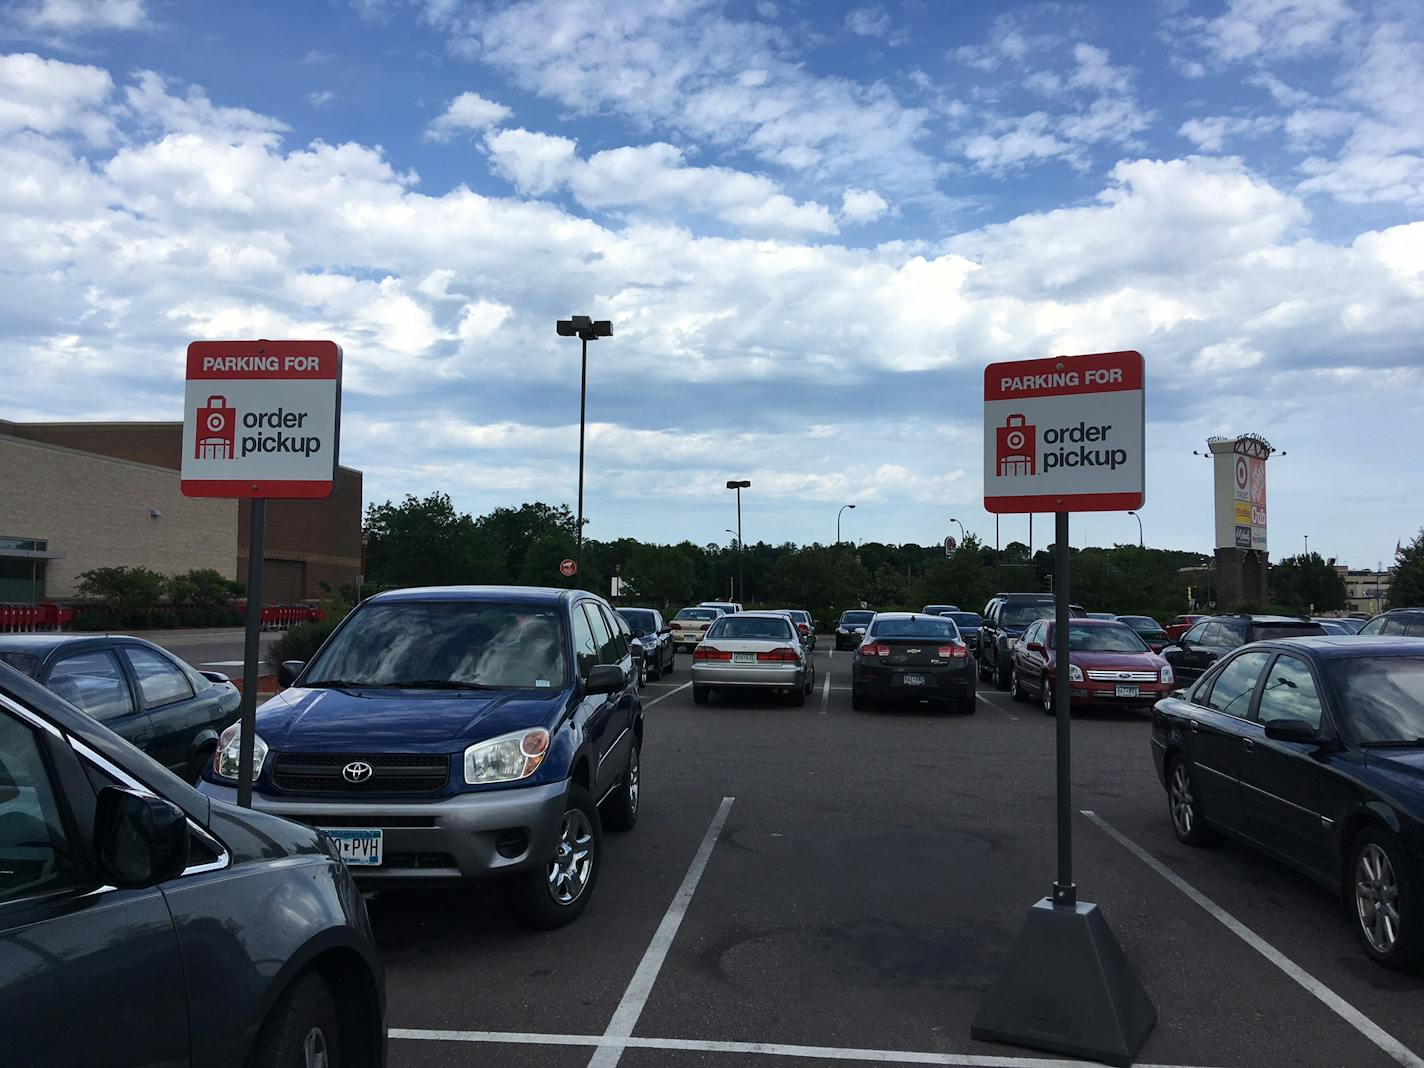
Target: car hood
(331, 720)
(1116, 661)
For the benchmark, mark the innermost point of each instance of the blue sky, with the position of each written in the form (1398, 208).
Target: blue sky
(811, 223)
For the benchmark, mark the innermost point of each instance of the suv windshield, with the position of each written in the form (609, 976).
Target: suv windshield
(741, 626)
(1104, 640)
(1021, 615)
(639, 620)
(857, 618)
(445, 644)
(919, 627)
(1382, 696)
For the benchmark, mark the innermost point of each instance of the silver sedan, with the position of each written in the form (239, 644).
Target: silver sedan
(753, 650)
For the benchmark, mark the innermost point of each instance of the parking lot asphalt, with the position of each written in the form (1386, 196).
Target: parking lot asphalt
(210, 648)
(863, 894)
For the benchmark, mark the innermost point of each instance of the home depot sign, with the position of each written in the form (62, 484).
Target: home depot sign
(261, 419)
(1065, 434)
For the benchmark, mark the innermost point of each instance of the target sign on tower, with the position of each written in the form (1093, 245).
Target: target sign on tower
(261, 418)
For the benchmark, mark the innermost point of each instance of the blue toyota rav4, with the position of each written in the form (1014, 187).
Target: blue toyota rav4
(457, 733)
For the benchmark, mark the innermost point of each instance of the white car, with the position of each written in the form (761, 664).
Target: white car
(753, 650)
(690, 624)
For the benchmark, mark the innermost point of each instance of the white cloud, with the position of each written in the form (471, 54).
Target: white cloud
(868, 21)
(78, 16)
(1276, 28)
(154, 106)
(1210, 134)
(1015, 142)
(862, 205)
(468, 111)
(321, 98)
(49, 96)
(650, 178)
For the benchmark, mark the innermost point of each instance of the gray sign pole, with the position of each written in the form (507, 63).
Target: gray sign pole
(251, 650)
(1064, 892)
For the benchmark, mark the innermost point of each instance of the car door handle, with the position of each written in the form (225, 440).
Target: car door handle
(1248, 745)
(1196, 727)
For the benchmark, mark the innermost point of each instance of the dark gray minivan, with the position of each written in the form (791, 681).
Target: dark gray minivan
(142, 923)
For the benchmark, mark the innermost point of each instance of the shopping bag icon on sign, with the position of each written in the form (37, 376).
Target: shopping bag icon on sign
(1017, 447)
(217, 430)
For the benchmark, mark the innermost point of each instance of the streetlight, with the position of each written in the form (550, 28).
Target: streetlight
(586, 330)
(838, 521)
(1139, 528)
(962, 535)
(1307, 545)
(734, 484)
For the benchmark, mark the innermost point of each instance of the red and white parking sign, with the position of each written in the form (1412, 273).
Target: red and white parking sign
(1065, 434)
(261, 418)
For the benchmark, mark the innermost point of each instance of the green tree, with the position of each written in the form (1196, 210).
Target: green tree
(425, 542)
(661, 576)
(516, 530)
(1406, 585)
(1308, 584)
(961, 578)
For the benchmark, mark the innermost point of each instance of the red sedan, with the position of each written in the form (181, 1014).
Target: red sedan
(1108, 664)
(1181, 624)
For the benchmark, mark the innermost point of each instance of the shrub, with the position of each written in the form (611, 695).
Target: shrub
(202, 587)
(129, 594)
(300, 642)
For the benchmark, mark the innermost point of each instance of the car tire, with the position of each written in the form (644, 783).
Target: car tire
(1001, 675)
(797, 697)
(858, 701)
(545, 902)
(1184, 806)
(304, 1021)
(620, 808)
(967, 705)
(200, 761)
(700, 694)
(672, 663)
(1045, 696)
(656, 674)
(1377, 862)
(1016, 692)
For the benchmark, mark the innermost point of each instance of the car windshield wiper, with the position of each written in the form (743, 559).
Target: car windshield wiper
(336, 684)
(1395, 743)
(436, 684)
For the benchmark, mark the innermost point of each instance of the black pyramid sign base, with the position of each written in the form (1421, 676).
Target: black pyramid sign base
(1068, 988)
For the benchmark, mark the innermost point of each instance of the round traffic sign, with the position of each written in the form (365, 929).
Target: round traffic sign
(568, 569)
(950, 545)
(1243, 473)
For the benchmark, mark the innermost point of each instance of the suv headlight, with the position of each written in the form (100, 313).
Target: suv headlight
(1075, 673)
(226, 759)
(1166, 675)
(506, 758)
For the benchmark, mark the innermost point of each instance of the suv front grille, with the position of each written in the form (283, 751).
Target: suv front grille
(391, 773)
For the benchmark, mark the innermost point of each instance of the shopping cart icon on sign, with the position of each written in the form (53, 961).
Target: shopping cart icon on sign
(1016, 451)
(217, 430)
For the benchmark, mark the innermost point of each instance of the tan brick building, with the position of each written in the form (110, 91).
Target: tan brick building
(79, 495)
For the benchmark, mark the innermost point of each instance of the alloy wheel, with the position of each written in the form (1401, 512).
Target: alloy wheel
(1377, 898)
(1180, 796)
(572, 865)
(314, 1053)
(1046, 695)
(632, 779)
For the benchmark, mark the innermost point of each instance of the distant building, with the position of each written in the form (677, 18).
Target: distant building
(75, 496)
(1366, 590)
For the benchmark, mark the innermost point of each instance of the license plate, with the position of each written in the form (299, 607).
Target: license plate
(910, 679)
(744, 658)
(1124, 690)
(359, 848)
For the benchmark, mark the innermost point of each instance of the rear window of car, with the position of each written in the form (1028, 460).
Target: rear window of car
(799, 616)
(751, 627)
(1272, 631)
(918, 627)
(966, 619)
(857, 617)
(697, 613)
(24, 663)
(424, 644)
(639, 621)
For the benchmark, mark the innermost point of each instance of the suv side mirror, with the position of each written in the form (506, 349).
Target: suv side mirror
(288, 671)
(139, 840)
(1291, 730)
(604, 678)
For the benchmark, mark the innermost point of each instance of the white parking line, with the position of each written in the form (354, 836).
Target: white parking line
(625, 1017)
(982, 696)
(766, 1049)
(826, 693)
(649, 704)
(1351, 1015)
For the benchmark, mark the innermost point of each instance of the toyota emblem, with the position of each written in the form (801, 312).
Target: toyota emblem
(357, 771)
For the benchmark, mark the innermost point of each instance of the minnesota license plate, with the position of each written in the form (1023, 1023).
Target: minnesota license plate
(744, 658)
(359, 848)
(1126, 691)
(910, 679)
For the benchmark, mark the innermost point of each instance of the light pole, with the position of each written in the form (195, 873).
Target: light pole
(586, 330)
(838, 521)
(1139, 528)
(960, 525)
(739, 485)
(1307, 545)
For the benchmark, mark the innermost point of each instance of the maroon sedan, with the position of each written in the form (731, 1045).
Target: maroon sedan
(1108, 664)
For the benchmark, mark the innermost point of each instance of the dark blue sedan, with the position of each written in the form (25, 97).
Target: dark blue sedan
(1312, 750)
(142, 693)
(458, 733)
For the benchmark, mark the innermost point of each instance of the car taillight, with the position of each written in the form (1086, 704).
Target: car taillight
(784, 653)
(803, 628)
(873, 649)
(954, 651)
(706, 653)
(704, 626)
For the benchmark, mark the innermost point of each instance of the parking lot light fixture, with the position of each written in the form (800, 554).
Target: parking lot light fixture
(585, 329)
(739, 485)
(960, 525)
(838, 521)
(1139, 528)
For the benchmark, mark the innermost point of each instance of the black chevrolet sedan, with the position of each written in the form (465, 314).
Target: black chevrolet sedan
(143, 924)
(141, 692)
(906, 655)
(1312, 750)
